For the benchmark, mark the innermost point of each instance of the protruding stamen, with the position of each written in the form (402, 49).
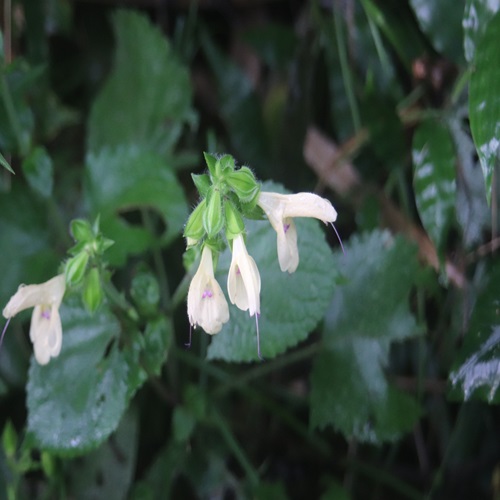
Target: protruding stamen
(258, 336)
(188, 345)
(4, 330)
(338, 237)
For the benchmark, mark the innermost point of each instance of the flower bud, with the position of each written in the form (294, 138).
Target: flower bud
(244, 184)
(202, 183)
(92, 291)
(75, 268)
(234, 221)
(194, 230)
(213, 220)
(81, 230)
(211, 161)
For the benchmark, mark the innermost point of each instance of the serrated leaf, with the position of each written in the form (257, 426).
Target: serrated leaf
(441, 21)
(130, 177)
(476, 371)
(434, 179)
(349, 387)
(476, 16)
(147, 96)
(78, 399)
(484, 100)
(291, 304)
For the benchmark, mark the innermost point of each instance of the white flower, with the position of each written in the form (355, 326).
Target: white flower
(46, 328)
(281, 208)
(243, 280)
(206, 303)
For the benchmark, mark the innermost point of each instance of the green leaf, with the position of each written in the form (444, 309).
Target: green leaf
(147, 96)
(27, 245)
(131, 178)
(476, 17)
(108, 471)
(476, 371)
(291, 304)
(441, 21)
(239, 107)
(368, 312)
(78, 399)
(434, 162)
(5, 164)
(39, 172)
(484, 100)
(471, 207)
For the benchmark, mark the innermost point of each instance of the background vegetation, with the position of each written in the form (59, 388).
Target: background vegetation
(382, 366)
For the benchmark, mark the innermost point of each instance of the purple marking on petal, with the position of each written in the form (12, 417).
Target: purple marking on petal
(238, 270)
(286, 227)
(46, 314)
(207, 294)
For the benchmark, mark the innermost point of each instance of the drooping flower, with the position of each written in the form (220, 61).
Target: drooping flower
(280, 210)
(243, 280)
(46, 328)
(206, 303)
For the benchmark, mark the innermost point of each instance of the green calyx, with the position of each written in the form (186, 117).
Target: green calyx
(228, 195)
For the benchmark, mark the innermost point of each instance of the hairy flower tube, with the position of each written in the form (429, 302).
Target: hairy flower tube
(206, 303)
(280, 210)
(46, 328)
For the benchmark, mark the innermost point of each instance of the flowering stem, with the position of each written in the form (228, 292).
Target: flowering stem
(119, 300)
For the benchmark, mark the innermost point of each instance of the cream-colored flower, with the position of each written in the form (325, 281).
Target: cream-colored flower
(280, 210)
(243, 280)
(46, 328)
(206, 303)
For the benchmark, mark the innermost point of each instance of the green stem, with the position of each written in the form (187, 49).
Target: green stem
(265, 368)
(346, 71)
(119, 300)
(235, 447)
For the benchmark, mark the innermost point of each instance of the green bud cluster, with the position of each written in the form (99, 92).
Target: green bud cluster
(228, 195)
(84, 267)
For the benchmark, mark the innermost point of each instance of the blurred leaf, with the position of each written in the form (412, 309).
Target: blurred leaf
(183, 424)
(441, 21)
(147, 96)
(434, 162)
(396, 24)
(239, 108)
(28, 254)
(127, 178)
(386, 130)
(349, 387)
(5, 164)
(108, 471)
(335, 492)
(270, 491)
(78, 399)
(159, 478)
(476, 16)
(484, 100)
(291, 304)
(274, 43)
(476, 371)
(39, 172)
(471, 206)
